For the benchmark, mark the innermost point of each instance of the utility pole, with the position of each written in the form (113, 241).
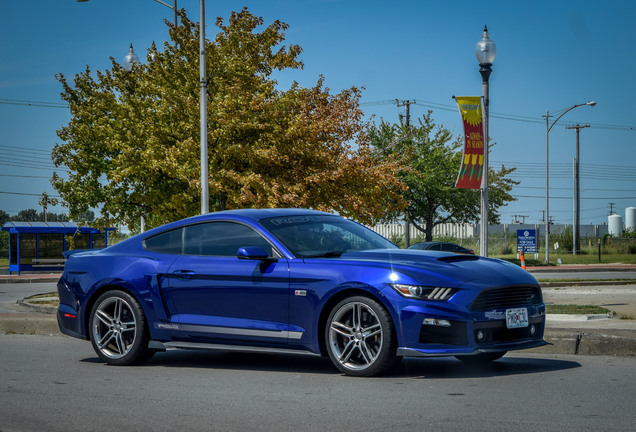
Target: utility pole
(516, 218)
(577, 192)
(407, 221)
(611, 212)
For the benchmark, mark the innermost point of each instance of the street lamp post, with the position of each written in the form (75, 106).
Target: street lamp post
(548, 128)
(485, 50)
(173, 7)
(132, 58)
(203, 101)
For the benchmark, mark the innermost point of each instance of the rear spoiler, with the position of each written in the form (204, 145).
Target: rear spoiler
(68, 253)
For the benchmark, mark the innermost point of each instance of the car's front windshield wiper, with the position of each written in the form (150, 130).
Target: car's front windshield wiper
(324, 255)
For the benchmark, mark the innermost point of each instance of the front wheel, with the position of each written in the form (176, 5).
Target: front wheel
(118, 330)
(360, 337)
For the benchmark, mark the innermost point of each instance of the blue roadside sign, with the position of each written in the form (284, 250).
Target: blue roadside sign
(527, 240)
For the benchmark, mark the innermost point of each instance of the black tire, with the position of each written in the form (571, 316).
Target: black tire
(360, 337)
(118, 330)
(482, 358)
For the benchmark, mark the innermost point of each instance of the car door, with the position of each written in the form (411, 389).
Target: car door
(214, 294)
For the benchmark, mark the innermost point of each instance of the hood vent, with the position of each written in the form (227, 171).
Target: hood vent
(458, 257)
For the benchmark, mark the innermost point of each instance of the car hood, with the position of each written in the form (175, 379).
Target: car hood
(447, 268)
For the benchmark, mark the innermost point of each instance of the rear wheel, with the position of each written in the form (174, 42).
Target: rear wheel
(360, 337)
(118, 329)
(482, 358)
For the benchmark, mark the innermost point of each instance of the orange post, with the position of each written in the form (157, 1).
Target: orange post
(523, 260)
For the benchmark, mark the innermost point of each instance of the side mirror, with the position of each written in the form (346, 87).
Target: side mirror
(253, 253)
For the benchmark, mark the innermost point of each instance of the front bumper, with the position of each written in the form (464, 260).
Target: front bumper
(472, 333)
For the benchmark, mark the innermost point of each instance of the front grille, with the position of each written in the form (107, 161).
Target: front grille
(500, 298)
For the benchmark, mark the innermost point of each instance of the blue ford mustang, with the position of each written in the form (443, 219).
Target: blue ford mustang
(295, 280)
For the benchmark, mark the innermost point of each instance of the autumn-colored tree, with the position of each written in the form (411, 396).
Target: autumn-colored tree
(431, 160)
(132, 144)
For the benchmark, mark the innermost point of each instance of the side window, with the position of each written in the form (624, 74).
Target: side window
(221, 239)
(169, 242)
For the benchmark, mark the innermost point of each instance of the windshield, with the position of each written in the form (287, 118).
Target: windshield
(323, 236)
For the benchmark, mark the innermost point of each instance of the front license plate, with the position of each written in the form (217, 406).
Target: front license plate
(516, 318)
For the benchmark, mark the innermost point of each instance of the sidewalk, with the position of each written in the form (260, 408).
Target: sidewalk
(568, 334)
(30, 278)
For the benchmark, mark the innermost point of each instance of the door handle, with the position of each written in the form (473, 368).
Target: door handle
(185, 274)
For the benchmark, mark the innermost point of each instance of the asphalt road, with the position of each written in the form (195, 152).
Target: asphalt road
(56, 383)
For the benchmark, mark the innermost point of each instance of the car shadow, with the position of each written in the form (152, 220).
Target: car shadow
(266, 362)
(449, 367)
(417, 368)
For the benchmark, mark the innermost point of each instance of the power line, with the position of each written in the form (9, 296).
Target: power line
(26, 162)
(23, 148)
(502, 116)
(41, 104)
(24, 176)
(21, 158)
(570, 198)
(569, 189)
(423, 103)
(17, 165)
(28, 194)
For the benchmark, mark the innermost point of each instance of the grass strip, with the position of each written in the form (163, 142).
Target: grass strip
(575, 309)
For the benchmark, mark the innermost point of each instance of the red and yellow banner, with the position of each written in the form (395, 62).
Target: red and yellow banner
(472, 168)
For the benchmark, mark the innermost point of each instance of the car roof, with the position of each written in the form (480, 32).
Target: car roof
(252, 215)
(247, 215)
(257, 214)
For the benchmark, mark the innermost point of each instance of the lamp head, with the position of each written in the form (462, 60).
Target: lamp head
(130, 59)
(485, 50)
(591, 103)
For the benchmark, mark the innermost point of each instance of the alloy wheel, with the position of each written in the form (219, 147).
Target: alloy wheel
(114, 327)
(355, 336)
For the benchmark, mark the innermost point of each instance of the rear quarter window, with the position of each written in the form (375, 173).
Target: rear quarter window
(169, 242)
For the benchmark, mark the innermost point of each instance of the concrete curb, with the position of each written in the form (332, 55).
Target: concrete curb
(49, 278)
(42, 320)
(37, 308)
(620, 343)
(29, 323)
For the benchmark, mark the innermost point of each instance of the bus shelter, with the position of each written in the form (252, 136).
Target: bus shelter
(39, 246)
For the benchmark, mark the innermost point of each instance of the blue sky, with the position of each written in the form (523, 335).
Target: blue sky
(550, 55)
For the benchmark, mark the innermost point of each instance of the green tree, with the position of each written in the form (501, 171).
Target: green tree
(431, 159)
(4, 217)
(132, 144)
(27, 215)
(4, 235)
(54, 217)
(87, 217)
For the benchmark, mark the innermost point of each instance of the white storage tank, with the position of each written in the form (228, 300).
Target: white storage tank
(615, 225)
(630, 218)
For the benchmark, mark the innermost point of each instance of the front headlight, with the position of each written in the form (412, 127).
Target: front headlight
(424, 292)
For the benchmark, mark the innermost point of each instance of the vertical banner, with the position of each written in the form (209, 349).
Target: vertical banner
(472, 167)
